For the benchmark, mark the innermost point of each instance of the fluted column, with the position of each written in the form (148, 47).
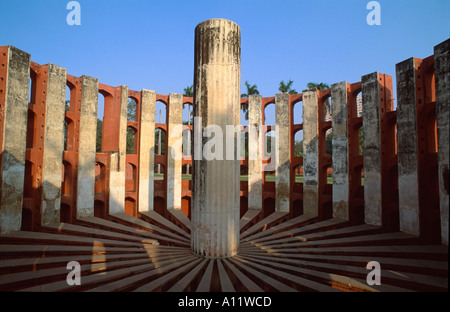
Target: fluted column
(215, 209)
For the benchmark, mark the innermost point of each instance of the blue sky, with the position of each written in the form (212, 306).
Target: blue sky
(150, 44)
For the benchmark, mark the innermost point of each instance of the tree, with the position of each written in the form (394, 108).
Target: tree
(251, 90)
(321, 86)
(98, 146)
(131, 110)
(189, 91)
(287, 87)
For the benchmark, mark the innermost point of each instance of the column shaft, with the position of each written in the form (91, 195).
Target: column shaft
(147, 151)
(216, 192)
(87, 147)
(14, 91)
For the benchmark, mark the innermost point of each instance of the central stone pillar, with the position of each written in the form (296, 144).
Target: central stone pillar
(216, 175)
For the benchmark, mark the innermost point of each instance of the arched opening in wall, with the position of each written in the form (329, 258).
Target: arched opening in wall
(298, 143)
(243, 204)
(269, 114)
(131, 109)
(244, 115)
(130, 177)
(161, 112)
(99, 209)
(130, 206)
(270, 144)
(327, 111)
(243, 144)
(159, 180)
(186, 206)
(100, 178)
(67, 178)
(160, 146)
(100, 115)
(160, 141)
(244, 173)
(329, 173)
(188, 114)
(68, 122)
(297, 208)
(298, 113)
(186, 142)
(131, 140)
(64, 215)
(186, 171)
(159, 205)
(269, 181)
(31, 121)
(360, 131)
(32, 87)
(30, 128)
(268, 206)
(298, 180)
(67, 101)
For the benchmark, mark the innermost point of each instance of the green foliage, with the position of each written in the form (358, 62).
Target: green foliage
(287, 87)
(251, 90)
(298, 148)
(189, 91)
(98, 146)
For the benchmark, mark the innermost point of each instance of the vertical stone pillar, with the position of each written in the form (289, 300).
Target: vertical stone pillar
(86, 150)
(282, 153)
(442, 72)
(147, 150)
(118, 159)
(310, 153)
(255, 146)
(174, 157)
(53, 144)
(372, 149)
(216, 192)
(407, 138)
(14, 91)
(340, 151)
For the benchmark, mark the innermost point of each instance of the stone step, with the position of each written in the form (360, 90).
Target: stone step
(264, 224)
(363, 229)
(169, 278)
(143, 229)
(248, 217)
(372, 240)
(311, 228)
(182, 218)
(264, 280)
(238, 279)
(40, 238)
(299, 283)
(295, 271)
(225, 282)
(156, 219)
(430, 267)
(15, 281)
(77, 230)
(293, 223)
(391, 277)
(109, 278)
(21, 264)
(205, 283)
(188, 280)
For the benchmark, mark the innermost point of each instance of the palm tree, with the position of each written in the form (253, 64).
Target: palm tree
(189, 91)
(321, 86)
(287, 87)
(251, 90)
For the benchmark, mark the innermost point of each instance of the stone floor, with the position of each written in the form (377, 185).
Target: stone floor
(152, 253)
